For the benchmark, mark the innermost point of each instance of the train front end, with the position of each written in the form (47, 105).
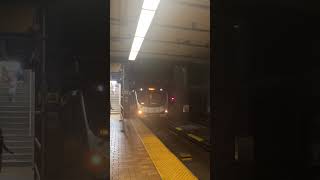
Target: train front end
(152, 103)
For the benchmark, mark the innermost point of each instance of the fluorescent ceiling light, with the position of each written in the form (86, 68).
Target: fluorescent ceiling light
(150, 4)
(137, 42)
(144, 22)
(147, 13)
(133, 55)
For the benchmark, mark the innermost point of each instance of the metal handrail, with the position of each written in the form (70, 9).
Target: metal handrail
(37, 142)
(37, 172)
(30, 103)
(93, 140)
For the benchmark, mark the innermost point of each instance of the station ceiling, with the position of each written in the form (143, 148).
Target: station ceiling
(180, 30)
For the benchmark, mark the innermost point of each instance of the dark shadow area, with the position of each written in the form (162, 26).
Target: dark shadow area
(266, 73)
(60, 117)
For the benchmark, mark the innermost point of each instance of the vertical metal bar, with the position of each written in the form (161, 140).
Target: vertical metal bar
(32, 114)
(119, 93)
(44, 94)
(30, 99)
(33, 102)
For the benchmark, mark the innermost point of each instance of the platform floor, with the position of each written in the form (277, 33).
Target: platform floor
(136, 153)
(129, 159)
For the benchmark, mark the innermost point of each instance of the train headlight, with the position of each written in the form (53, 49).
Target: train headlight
(139, 112)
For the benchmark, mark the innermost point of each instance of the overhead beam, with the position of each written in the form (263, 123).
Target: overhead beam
(185, 43)
(124, 53)
(116, 21)
(120, 59)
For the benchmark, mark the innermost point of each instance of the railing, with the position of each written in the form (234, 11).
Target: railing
(31, 102)
(29, 78)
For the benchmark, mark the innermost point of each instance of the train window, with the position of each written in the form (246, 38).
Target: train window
(153, 98)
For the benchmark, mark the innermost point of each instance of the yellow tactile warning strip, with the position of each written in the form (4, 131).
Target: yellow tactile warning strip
(167, 164)
(179, 129)
(195, 137)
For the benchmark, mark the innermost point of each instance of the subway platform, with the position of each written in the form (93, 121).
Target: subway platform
(136, 153)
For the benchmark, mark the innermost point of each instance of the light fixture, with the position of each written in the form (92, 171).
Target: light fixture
(149, 8)
(141, 89)
(136, 45)
(152, 89)
(133, 55)
(161, 89)
(166, 111)
(150, 4)
(139, 112)
(145, 20)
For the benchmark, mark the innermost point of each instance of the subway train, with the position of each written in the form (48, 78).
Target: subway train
(149, 102)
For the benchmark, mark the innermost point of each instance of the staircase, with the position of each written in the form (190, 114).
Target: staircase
(114, 98)
(15, 121)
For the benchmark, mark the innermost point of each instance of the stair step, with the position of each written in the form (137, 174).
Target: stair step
(15, 131)
(8, 138)
(9, 124)
(10, 107)
(14, 119)
(16, 156)
(15, 113)
(4, 90)
(19, 83)
(5, 93)
(21, 149)
(13, 143)
(4, 100)
(16, 163)
(17, 102)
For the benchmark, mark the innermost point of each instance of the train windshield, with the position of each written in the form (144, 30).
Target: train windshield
(151, 98)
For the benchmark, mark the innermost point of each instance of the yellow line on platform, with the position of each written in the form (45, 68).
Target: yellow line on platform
(167, 164)
(195, 137)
